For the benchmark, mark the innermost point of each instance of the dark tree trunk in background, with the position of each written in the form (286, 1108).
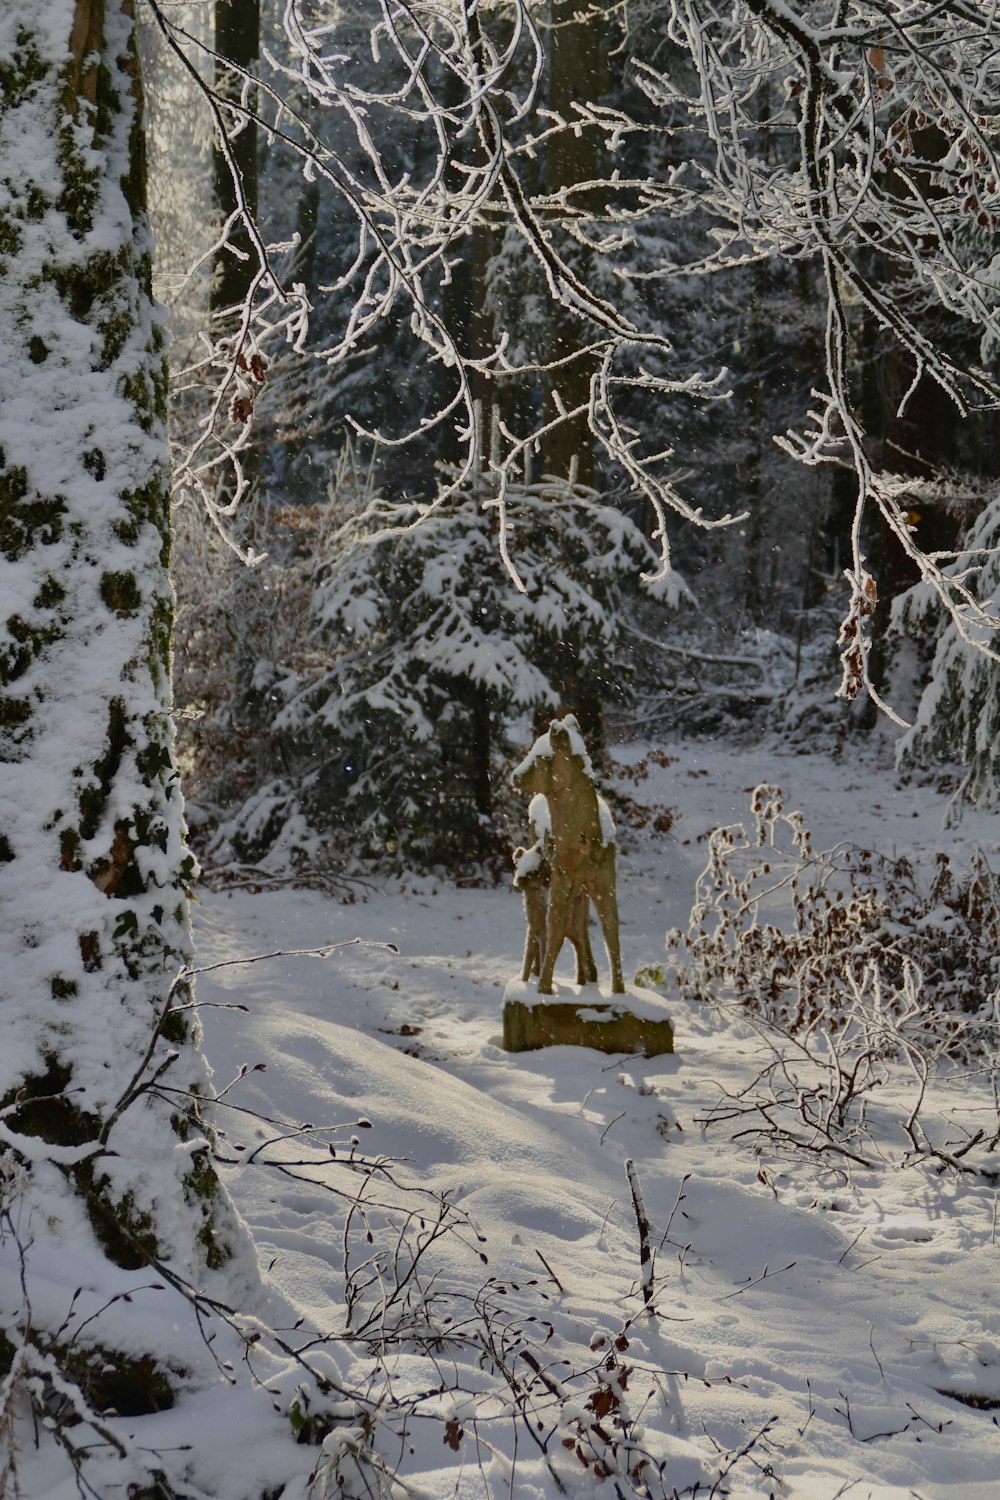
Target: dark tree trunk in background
(749, 471)
(482, 754)
(237, 41)
(466, 313)
(576, 72)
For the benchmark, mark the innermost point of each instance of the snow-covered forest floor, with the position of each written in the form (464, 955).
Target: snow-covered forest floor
(809, 1312)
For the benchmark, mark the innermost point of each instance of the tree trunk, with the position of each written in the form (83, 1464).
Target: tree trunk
(748, 471)
(237, 47)
(575, 74)
(93, 864)
(465, 296)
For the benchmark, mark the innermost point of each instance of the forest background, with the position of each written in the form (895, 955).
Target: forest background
(356, 700)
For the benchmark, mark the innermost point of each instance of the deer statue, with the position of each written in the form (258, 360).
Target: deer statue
(580, 848)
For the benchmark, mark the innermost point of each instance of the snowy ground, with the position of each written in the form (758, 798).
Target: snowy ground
(808, 1315)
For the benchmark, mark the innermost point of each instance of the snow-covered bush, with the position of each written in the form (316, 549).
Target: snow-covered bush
(817, 1090)
(791, 934)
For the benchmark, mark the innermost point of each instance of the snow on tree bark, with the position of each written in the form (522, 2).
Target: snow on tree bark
(93, 864)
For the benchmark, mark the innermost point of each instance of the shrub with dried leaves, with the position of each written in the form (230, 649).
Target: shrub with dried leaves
(792, 934)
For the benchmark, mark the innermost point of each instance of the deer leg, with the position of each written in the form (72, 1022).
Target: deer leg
(588, 952)
(586, 969)
(530, 964)
(603, 892)
(559, 911)
(536, 913)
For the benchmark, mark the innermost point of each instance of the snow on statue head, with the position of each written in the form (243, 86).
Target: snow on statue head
(577, 842)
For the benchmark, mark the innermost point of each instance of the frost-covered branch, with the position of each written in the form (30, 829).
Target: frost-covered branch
(857, 138)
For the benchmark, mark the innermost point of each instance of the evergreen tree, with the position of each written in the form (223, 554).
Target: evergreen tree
(958, 718)
(393, 732)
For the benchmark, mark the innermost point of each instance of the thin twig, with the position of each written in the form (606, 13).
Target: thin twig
(757, 1280)
(548, 1268)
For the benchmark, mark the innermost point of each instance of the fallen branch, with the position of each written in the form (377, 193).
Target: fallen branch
(645, 1253)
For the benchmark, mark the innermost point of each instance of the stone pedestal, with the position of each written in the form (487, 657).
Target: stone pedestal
(585, 1016)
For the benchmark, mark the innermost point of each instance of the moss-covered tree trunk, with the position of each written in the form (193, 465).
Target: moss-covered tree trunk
(93, 907)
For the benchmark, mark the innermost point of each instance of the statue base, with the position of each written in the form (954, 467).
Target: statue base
(585, 1016)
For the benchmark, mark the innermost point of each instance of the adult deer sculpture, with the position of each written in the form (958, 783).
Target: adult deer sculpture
(582, 859)
(533, 878)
